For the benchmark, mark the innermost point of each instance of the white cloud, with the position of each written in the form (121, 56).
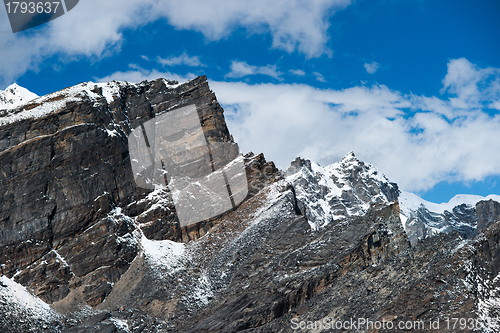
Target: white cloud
(495, 105)
(297, 72)
(94, 28)
(294, 25)
(319, 77)
(434, 142)
(372, 67)
(183, 59)
(472, 86)
(241, 69)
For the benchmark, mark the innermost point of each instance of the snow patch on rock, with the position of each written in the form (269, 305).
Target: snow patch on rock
(14, 96)
(22, 303)
(166, 256)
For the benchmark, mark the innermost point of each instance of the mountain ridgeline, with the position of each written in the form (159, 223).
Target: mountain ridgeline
(84, 249)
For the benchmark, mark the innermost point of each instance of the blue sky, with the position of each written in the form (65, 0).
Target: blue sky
(411, 86)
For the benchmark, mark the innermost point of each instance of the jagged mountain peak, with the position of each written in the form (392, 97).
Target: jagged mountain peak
(350, 187)
(14, 96)
(33, 107)
(350, 157)
(342, 189)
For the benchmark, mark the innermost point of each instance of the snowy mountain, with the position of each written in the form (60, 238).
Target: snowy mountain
(422, 219)
(410, 202)
(349, 187)
(14, 96)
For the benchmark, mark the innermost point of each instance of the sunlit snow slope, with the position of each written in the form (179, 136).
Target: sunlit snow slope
(14, 96)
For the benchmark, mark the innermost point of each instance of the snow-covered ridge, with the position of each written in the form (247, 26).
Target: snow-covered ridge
(342, 189)
(349, 187)
(165, 256)
(14, 96)
(422, 219)
(22, 303)
(42, 106)
(409, 202)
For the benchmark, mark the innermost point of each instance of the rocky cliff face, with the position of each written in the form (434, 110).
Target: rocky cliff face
(68, 193)
(83, 249)
(486, 212)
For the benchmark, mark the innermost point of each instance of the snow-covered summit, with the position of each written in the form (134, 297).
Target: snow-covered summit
(349, 187)
(342, 189)
(422, 219)
(42, 106)
(98, 93)
(14, 96)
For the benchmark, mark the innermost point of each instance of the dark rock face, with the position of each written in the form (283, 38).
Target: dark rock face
(375, 277)
(487, 212)
(463, 219)
(275, 279)
(65, 176)
(361, 267)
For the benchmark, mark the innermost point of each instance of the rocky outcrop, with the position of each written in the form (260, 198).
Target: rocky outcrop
(260, 172)
(487, 212)
(67, 184)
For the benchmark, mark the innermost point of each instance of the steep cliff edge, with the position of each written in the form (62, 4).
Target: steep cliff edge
(68, 193)
(84, 249)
